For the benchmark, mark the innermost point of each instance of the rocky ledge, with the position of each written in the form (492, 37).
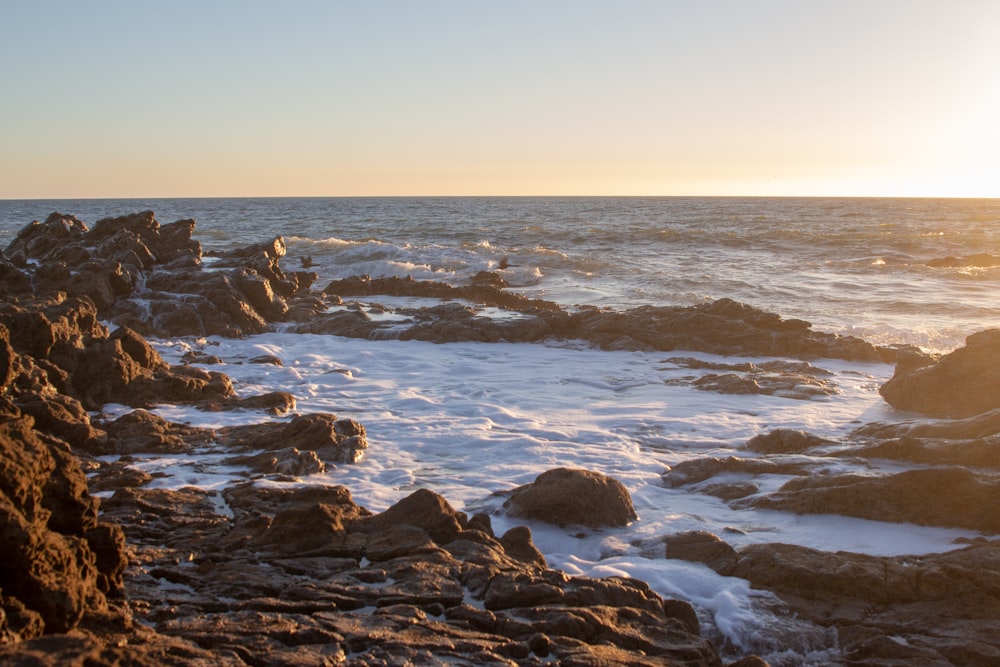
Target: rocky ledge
(266, 573)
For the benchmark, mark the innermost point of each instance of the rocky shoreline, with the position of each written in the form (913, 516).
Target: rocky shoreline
(261, 573)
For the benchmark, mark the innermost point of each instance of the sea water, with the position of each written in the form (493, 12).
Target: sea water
(858, 266)
(468, 420)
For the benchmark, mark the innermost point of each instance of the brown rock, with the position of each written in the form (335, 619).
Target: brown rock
(46, 521)
(929, 497)
(334, 440)
(38, 240)
(140, 431)
(14, 280)
(573, 497)
(136, 347)
(64, 417)
(964, 383)
(288, 462)
(517, 543)
(700, 546)
(212, 304)
(693, 471)
(785, 441)
(273, 402)
(933, 609)
(421, 509)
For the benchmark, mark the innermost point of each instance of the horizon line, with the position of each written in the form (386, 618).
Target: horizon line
(502, 196)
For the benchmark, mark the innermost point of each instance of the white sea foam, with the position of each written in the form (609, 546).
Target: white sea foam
(469, 419)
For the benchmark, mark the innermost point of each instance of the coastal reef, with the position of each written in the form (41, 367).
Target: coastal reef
(263, 572)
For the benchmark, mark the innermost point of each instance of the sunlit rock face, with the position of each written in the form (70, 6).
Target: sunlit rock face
(566, 497)
(964, 383)
(59, 561)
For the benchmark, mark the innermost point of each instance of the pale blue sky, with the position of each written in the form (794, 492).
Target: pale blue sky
(874, 97)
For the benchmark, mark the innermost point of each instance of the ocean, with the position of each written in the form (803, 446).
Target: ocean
(470, 419)
(856, 266)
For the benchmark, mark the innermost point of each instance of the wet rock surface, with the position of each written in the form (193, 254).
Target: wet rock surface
(789, 379)
(722, 327)
(932, 609)
(905, 610)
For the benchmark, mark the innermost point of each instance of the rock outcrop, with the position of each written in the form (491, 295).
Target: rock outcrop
(963, 383)
(953, 497)
(936, 609)
(59, 561)
(721, 327)
(155, 279)
(151, 278)
(263, 572)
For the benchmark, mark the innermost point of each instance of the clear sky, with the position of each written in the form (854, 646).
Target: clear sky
(657, 97)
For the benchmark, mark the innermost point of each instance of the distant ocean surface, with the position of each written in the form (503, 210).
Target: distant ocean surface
(858, 266)
(469, 419)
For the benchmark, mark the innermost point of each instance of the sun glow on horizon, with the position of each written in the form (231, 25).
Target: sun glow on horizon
(766, 98)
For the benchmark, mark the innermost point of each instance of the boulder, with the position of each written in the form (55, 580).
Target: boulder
(963, 383)
(566, 497)
(422, 509)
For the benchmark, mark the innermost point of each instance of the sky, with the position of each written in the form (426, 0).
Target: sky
(539, 97)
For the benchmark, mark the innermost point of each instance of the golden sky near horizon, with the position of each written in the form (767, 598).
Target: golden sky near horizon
(752, 97)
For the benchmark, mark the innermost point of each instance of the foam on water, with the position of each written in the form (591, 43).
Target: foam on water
(470, 419)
